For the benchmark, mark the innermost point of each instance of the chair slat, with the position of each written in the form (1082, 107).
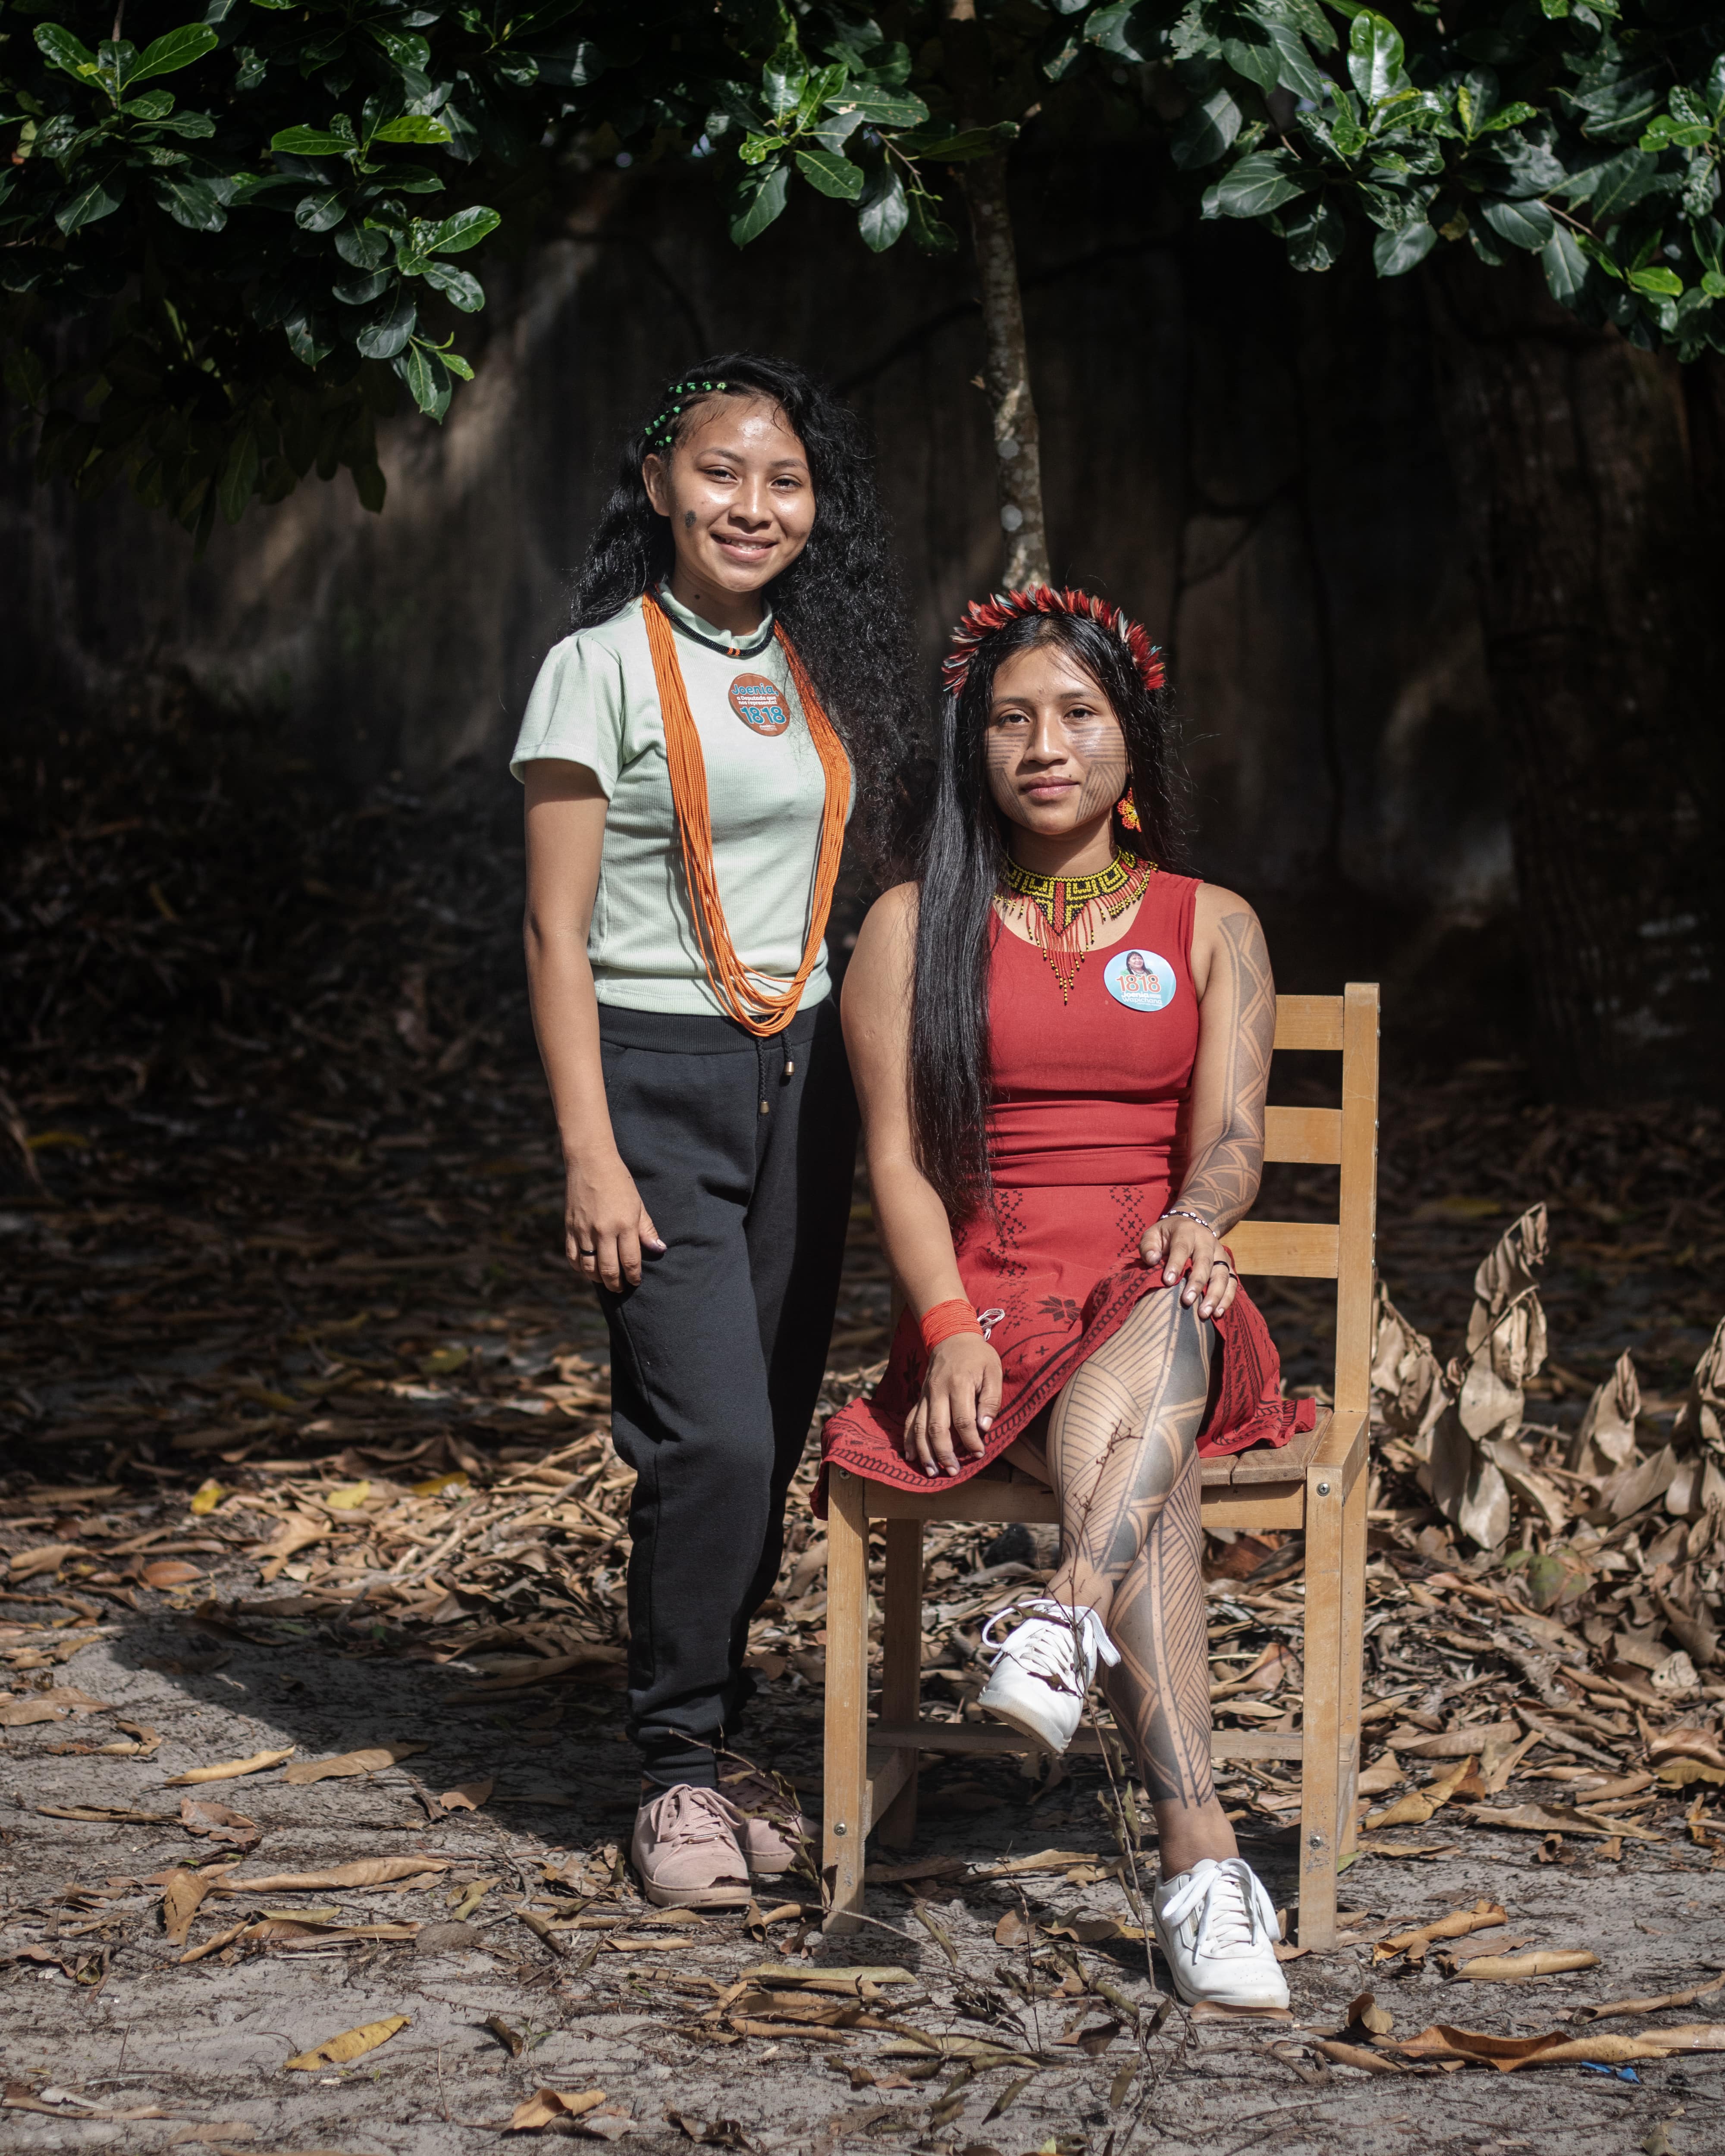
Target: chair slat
(1308, 1022)
(1296, 1250)
(1303, 1134)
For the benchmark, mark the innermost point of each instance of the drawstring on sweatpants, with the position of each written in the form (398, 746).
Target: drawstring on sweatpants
(785, 1076)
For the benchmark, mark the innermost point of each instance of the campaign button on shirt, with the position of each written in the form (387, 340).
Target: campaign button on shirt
(1142, 980)
(760, 704)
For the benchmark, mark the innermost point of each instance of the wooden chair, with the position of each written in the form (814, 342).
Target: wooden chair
(1315, 1485)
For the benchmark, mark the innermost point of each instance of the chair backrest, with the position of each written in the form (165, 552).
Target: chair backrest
(1343, 1250)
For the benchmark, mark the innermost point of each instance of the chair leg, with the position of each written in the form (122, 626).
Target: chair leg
(1321, 1719)
(1351, 1658)
(901, 1674)
(845, 1796)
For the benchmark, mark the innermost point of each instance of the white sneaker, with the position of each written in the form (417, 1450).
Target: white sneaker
(1044, 1667)
(1217, 1927)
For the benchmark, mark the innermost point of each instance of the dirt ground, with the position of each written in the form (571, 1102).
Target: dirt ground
(199, 2050)
(291, 1232)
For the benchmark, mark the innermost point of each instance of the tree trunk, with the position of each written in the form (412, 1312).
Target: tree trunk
(1006, 367)
(1594, 561)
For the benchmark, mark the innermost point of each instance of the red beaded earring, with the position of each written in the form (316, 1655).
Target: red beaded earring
(1126, 809)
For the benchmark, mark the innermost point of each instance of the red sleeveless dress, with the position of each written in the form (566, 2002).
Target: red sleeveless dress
(1086, 1133)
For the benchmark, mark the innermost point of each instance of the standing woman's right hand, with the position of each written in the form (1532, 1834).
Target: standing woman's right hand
(605, 1225)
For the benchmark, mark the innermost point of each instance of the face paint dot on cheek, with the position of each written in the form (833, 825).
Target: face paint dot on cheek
(688, 519)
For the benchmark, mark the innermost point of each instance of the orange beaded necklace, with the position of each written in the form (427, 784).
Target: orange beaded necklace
(764, 1012)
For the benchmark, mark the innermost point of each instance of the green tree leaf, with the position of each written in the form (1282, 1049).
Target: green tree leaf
(829, 173)
(761, 199)
(879, 107)
(884, 213)
(429, 385)
(193, 203)
(465, 229)
(389, 329)
(928, 233)
(58, 43)
(1316, 238)
(94, 200)
(1665, 282)
(1393, 253)
(364, 246)
(178, 49)
(1565, 266)
(412, 127)
(1375, 53)
(1528, 224)
(1295, 68)
(310, 142)
(457, 286)
(1205, 133)
(1257, 184)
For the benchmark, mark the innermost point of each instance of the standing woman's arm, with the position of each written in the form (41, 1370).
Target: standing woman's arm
(605, 1225)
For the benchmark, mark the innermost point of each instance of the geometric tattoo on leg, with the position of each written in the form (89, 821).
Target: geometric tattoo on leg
(1161, 1691)
(1120, 1438)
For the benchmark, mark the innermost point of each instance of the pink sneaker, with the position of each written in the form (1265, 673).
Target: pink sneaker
(773, 1834)
(686, 1848)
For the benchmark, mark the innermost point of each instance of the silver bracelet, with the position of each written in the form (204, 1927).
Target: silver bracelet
(1180, 1212)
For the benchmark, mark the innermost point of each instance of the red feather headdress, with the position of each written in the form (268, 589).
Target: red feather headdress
(982, 617)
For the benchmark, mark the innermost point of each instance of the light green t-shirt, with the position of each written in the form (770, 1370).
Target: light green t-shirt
(596, 703)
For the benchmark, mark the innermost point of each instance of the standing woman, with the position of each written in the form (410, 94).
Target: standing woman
(738, 677)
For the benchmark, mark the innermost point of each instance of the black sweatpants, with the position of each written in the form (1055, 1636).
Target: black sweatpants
(717, 1357)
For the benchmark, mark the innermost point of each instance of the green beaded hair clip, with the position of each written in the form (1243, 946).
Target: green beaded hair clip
(659, 432)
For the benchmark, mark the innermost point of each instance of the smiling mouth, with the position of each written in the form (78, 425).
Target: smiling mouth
(752, 547)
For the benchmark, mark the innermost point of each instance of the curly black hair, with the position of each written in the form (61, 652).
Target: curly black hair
(840, 601)
(963, 850)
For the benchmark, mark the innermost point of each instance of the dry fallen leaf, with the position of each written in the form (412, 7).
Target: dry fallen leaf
(1554, 1819)
(1508, 2053)
(347, 1497)
(230, 1769)
(1012, 1931)
(546, 2105)
(1484, 1917)
(181, 1897)
(467, 1796)
(1651, 2006)
(1356, 2055)
(199, 1815)
(168, 1572)
(365, 1872)
(370, 1761)
(351, 2044)
(31, 1564)
(1518, 1968)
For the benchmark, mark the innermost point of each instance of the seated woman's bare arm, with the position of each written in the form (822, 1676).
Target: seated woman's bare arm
(962, 1389)
(1236, 1032)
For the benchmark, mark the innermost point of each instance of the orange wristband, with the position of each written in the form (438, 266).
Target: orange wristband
(946, 1318)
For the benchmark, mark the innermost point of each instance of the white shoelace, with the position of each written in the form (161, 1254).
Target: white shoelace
(1062, 1647)
(1232, 1904)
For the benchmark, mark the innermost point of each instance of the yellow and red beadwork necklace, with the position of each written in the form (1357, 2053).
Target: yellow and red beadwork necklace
(1062, 914)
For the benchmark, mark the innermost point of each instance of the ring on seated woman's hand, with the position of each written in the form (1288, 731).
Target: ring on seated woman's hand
(580, 1253)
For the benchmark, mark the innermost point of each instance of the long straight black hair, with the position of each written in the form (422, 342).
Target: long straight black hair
(840, 601)
(964, 845)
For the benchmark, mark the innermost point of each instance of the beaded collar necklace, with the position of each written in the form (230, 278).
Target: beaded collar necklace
(1063, 913)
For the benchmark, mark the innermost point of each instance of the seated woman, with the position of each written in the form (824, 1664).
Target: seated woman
(1061, 1052)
